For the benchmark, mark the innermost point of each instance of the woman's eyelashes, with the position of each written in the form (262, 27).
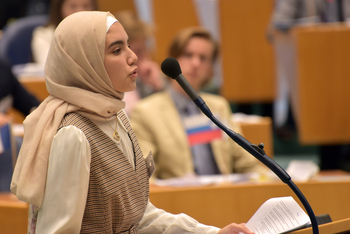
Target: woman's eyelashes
(118, 50)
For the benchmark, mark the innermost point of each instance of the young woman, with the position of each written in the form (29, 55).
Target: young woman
(81, 167)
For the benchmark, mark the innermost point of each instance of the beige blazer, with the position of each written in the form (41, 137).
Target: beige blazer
(157, 125)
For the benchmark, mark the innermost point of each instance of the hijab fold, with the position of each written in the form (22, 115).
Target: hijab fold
(77, 81)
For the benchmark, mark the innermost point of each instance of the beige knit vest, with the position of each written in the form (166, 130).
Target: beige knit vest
(118, 194)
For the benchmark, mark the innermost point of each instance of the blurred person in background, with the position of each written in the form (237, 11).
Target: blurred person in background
(13, 94)
(59, 9)
(164, 122)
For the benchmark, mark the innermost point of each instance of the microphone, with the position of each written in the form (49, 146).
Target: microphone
(170, 67)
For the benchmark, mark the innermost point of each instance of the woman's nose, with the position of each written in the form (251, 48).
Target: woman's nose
(132, 58)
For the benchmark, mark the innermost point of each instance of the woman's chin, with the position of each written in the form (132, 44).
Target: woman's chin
(131, 88)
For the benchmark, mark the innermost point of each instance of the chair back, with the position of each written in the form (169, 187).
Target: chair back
(15, 43)
(8, 156)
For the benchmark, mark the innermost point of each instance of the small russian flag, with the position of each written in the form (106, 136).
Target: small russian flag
(201, 130)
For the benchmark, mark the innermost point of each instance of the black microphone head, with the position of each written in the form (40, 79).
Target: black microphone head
(170, 67)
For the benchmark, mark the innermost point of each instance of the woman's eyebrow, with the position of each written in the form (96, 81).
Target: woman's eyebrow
(115, 43)
(119, 42)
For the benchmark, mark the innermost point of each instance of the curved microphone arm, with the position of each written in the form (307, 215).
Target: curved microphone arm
(258, 152)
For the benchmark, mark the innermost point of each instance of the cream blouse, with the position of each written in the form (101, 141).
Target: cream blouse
(67, 186)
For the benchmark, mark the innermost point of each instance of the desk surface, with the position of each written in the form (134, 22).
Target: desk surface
(13, 214)
(220, 205)
(226, 203)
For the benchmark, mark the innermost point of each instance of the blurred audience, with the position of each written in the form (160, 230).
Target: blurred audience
(166, 122)
(150, 78)
(59, 9)
(13, 95)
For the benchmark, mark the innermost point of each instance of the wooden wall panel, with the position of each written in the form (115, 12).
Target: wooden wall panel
(169, 18)
(248, 61)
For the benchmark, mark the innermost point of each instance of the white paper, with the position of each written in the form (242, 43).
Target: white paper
(302, 170)
(278, 215)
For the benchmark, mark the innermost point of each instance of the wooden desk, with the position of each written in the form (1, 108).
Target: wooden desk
(36, 86)
(221, 205)
(315, 61)
(215, 205)
(13, 214)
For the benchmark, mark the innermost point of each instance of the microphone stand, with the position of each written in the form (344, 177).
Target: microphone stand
(258, 152)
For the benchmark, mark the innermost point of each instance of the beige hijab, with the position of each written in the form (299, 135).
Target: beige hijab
(77, 81)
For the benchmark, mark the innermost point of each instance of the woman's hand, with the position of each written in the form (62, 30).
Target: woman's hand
(235, 228)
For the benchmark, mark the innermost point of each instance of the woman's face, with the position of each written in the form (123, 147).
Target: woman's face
(71, 6)
(120, 60)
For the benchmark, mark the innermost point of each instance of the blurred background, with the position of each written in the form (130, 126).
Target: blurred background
(281, 61)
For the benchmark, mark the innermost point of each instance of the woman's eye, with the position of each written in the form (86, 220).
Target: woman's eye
(116, 51)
